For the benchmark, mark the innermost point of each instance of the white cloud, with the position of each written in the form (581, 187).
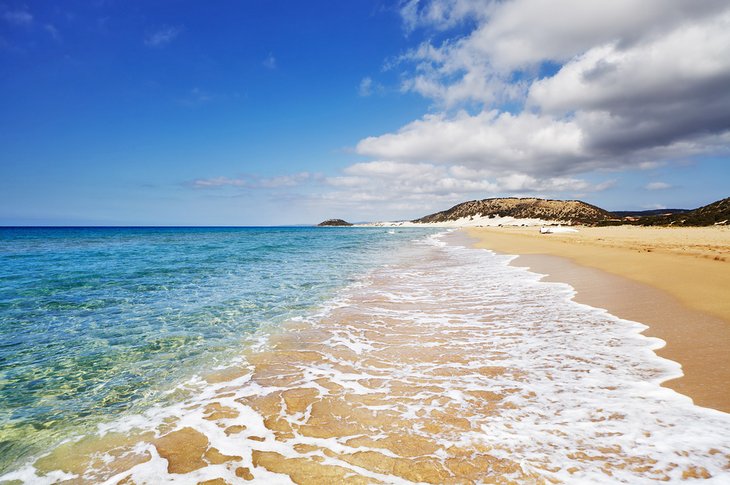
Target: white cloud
(637, 84)
(442, 14)
(217, 182)
(376, 189)
(195, 97)
(163, 36)
(659, 71)
(490, 140)
(521, 33)
(286, 180)
(366, 87)
(657, 186)
(255, 182)
(524, 32)
(421, 181)
(369, 87)
(52, 31)
(270, 62)
(666, 90)
(18, 17)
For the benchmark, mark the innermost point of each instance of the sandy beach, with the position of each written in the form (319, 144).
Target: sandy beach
(676, 280)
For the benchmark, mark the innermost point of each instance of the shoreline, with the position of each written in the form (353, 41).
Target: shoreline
(613, 275)
(423, 371)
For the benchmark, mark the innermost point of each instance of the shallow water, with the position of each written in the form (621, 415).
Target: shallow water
(445, 365)
(98, 322)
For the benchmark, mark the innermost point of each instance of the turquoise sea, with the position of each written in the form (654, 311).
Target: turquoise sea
(97, 322)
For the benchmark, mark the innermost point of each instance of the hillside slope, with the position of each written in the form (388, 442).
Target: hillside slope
(566, 211)
(715, 213)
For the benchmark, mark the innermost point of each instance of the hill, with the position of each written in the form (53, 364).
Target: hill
(651, 212)
(566, 211)
(714, 213)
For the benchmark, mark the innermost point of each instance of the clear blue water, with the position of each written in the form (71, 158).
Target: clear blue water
(95, 322)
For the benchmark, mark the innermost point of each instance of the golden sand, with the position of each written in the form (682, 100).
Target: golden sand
(686, 303)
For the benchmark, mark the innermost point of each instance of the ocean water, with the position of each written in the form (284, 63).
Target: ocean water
(399, 357)
(98, 322)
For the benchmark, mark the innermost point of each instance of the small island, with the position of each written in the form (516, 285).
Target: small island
(333, 223)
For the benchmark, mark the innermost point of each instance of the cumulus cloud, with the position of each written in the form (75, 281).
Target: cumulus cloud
(597, 86)
(669, 89)
(163, 36)
(518, 34)
(491, 140)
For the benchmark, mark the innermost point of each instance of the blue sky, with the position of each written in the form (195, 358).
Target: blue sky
(288, 112)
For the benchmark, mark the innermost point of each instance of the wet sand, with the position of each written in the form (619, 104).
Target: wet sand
(676, 280)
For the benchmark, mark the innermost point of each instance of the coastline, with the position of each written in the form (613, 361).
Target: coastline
(447, 365)
(676, 281)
